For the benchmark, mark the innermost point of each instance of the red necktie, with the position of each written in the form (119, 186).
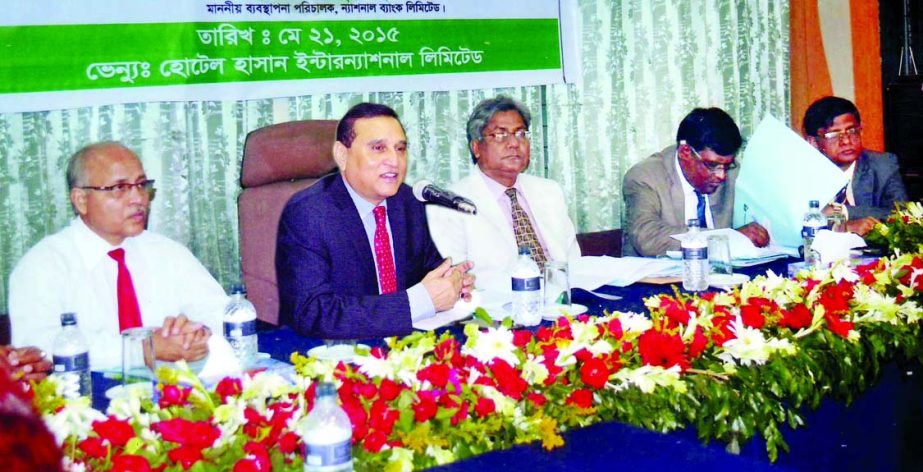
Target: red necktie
(386, 277)
(129, 313)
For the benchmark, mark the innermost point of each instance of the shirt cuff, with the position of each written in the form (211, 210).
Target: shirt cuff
(421, 306)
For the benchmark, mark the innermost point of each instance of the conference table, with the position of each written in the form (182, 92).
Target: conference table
(881, 430)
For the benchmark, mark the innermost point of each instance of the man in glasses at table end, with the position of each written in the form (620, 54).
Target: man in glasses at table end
(693, 179)
(113, 273)
(834, 127)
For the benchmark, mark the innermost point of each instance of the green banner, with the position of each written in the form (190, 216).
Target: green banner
(106, 56)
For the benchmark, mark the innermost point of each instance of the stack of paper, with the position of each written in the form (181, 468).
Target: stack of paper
(592, 272)
(779, 174)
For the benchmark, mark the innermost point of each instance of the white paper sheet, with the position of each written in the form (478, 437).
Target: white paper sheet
(742, 249)
(833, 246)
(592, 272)
(460, 311)
(779, 173)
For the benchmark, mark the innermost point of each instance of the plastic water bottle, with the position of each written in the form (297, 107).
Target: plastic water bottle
(71, 359)
(814, 221)
(695, 259)
(240, 326)
(527, 290)
(327, 434)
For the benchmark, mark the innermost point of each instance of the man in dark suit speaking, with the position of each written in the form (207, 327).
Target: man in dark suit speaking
(354, 256)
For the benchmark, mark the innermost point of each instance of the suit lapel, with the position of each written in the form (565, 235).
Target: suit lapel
(862, 183)
(353, 231)
(397, 215)
(677, 198)
(490, 209)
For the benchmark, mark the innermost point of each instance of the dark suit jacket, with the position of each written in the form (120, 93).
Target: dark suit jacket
(326, 269)
(655, 206)
(876, 185)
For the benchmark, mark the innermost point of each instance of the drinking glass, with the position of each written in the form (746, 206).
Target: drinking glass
(137, 356)
(719, 254)
(556, 284)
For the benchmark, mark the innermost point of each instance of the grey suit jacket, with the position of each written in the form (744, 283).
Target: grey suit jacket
(876, 185)
(655, 206)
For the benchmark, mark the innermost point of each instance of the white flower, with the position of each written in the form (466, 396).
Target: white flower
(442, 455)
(843, 271)
(748, 347)
(647, 377)
(751, 347)
(403, 458)
(265, 385)
(505, 405)
(494, 343)
(74, 420)
(374, 367)
(533, 371)
(634, 323)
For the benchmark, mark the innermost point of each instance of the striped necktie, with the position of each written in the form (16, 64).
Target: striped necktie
(387, 278)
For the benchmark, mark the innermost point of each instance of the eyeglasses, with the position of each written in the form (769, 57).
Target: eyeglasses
(850, 134)
(122, 189)
(714, 167)
(501, 137)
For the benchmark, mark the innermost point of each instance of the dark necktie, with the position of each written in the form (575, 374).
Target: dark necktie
(841, 196)
(129, 313)
(386, 276)
(522, 228)
(700, 210)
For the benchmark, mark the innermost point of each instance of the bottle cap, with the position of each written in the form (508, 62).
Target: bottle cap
(68, 319)
(326, 389)
(238, 288)
(525, 250)
(692, 222)
(814, 204)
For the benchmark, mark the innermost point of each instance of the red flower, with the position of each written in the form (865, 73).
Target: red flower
(699, 342)
(594, 373)
(581, 398)
(509, 382)
(754, 313)
(257, 459)
(537, 399)
(615, 328)
(484, 407)
(449, 351)
(228, 387)
(186, 456)
(425, 407)
(367, 390)
(388, 390)
(94, 447)
(796, 318)
(676, 310)
(173, 395)
(722, 330)
(662, 349)
(837, 325)
(374, 441)
(461, 414)
(382, 418)
(377, 352)
(436, 374)
(835, 297)
(521, 337)
(130, 463)
(114, 430)
(289, 442)
(544, 334)
(197, 435)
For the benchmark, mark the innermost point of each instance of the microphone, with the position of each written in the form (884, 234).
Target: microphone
(425, 191)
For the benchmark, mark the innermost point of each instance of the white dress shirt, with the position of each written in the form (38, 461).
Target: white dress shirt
(421, 305)
(71, 271)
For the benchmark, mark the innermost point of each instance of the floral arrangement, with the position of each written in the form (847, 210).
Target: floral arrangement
(902, 231)
(732, 364)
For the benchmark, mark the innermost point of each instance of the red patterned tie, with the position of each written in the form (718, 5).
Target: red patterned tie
(386, 277)
(129, 313)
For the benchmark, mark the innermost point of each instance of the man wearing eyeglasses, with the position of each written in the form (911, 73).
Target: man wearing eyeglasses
(112, 273)
(834, 127)
(693, 179)
(514, 209)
